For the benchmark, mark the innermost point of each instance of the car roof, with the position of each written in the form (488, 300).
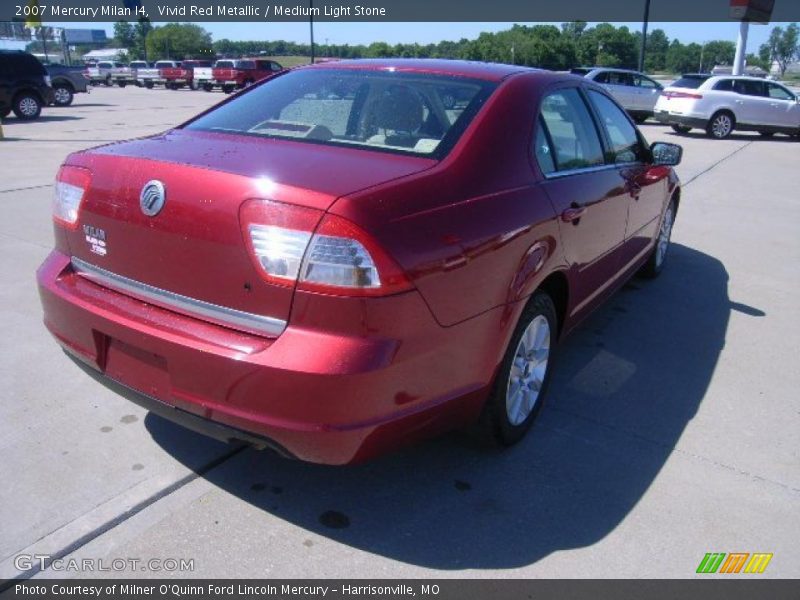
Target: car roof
(457, 68)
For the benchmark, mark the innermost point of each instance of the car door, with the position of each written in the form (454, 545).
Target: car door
(751, 106)
(647, 92)
(585, 192)
(619, 85)
(646, 187)
(785, 108)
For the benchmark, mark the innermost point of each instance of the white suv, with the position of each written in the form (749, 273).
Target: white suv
(722, 103)
(636, 92)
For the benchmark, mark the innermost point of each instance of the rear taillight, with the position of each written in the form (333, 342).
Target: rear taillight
(683, 95)
(71, 185)
(334, 257)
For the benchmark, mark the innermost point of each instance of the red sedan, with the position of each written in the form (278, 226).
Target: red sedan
(343, 258)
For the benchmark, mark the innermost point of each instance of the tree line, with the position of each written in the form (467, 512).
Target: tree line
(546, 46)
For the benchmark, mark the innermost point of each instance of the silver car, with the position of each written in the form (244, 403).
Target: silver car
(636, 92)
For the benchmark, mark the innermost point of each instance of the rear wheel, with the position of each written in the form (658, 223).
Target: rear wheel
(122, 83)
(148, 85)
(27, 106)
(521, 384)
(681, 129)
(208, 87)
(655, 263)
(63, 95)
(227, 89)
(721, 125)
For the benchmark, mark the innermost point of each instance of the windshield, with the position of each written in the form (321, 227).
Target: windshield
(409, 113)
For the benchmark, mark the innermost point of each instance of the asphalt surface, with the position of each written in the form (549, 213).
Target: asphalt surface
(672, 429)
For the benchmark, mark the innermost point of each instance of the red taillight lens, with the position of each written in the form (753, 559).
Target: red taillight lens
(70, 188)
(683, 95)
(336, 257)
(342, 258)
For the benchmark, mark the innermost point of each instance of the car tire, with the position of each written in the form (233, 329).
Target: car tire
(63, 94)
(122, 84)
(520, 387)
(208, 87)
(148, 85)
(27, 106)
(682, 129)
(228, 89)
(658, 257)
(766, 134)
(721, 125)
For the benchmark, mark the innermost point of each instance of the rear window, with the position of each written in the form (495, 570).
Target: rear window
(163, 65)
(398, 112)
(224, 64)
(138, 65)
(690, 81)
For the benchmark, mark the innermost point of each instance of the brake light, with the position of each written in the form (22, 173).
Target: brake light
(71, 185)
(334, 257)
(683, 95)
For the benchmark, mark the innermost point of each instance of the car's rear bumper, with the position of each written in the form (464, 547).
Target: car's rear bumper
(324, 396)
(684, 120)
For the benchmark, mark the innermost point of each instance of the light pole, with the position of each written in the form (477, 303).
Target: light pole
(644, 34)
(311, 24)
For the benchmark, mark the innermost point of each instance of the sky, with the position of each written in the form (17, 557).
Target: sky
(425, 33)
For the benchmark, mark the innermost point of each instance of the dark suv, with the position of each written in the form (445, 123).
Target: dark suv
(24, 85)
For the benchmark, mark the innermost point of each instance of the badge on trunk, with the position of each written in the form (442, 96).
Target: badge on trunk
(152, 198)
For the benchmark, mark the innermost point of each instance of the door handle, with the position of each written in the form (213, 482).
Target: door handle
(573, 214)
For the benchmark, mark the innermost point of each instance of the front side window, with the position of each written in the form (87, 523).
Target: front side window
(779, 92)
(645, 82)
(371, 109)
(625, 144)
(571, 131)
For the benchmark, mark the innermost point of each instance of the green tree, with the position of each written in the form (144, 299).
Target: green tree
(782, 47)
(141, 31)
(178, 41)
(124, 35)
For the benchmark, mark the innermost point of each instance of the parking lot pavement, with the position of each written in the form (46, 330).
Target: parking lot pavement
(672, 430)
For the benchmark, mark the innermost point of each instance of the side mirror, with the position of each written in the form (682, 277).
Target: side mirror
(667, 155)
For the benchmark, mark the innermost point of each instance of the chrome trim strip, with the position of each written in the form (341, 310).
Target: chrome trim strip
(595, 169)
(206, 311)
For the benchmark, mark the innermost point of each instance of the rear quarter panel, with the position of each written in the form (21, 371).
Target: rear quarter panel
(477, 231)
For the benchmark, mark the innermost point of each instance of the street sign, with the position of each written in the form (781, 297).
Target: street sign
(85, 36)
(756, 11)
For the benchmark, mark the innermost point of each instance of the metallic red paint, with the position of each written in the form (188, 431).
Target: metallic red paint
(475, 234)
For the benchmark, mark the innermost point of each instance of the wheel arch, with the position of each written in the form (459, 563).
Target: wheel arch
(556, 285)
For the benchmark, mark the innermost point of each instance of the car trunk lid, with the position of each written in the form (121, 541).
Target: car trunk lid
(195, 246)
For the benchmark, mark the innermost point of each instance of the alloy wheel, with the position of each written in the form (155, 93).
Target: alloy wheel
(62, 95)
(721, 126)
(664, 236)
(528, 370)
(28, 106)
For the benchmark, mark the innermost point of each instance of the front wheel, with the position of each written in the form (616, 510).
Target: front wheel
(521, 384)
(148, 85)
(207, 87)
(27, 107)
(122, 83)
(655, 263)
(681, 129)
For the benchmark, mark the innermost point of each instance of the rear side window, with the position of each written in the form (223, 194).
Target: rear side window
(571, 131)
(544, 155)
(690, 81)
(625, 144)
(724, 85)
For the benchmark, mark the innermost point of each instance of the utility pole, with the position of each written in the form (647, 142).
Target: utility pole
(644, 34)
(741, 48)
(311, 24)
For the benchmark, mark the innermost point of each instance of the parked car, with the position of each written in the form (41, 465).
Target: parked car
(24, 85)
(720, 105)
(178, 77)
(109, 73)
(332, 277)
(231, 75)
(636, 92)
(66, 82)
(134, 67)
(154, 76)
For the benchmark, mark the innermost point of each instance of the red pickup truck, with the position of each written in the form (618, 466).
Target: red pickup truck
(182, 75)
(239, 73)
